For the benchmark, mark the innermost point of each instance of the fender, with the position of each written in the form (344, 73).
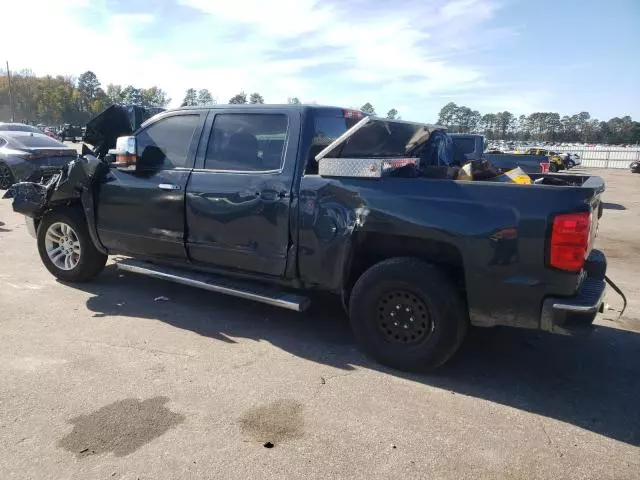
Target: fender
(74, 184)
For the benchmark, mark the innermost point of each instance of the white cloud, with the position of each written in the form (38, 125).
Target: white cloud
(356, 58)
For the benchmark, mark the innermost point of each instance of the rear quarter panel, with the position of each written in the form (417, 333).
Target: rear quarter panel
(500, 231)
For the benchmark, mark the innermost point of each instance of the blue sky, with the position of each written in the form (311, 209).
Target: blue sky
(412, 55)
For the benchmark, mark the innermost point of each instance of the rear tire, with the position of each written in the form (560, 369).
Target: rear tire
(66, 248)
(553, 168)
(406, 314)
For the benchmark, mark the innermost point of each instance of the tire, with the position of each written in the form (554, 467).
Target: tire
(553, 168)
(6, 176)
(430, 318)
(85, 261)
(571, 164)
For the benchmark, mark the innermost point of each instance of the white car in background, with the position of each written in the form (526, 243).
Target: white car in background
(573, 159)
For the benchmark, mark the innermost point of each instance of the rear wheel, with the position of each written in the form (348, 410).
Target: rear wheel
(66, 248)
(553, 167)
(407, 314)
(6, 176)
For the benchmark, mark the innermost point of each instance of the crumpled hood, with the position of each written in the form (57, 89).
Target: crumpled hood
(115, 121)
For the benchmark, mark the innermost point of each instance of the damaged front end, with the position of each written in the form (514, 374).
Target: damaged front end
(75, 184)
(78, 182)
(34, 199)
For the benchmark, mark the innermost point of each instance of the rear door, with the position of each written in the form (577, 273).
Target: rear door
(142, 212)
(238, 197)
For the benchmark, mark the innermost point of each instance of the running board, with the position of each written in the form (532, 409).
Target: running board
(246, 290)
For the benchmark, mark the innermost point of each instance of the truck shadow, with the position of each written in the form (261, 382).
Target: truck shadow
(590, 382)
(613, 206)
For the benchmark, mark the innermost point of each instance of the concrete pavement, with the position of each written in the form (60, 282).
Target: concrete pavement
(105, 381)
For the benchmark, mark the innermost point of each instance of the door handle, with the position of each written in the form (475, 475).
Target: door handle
(169, 187)
(272, 195)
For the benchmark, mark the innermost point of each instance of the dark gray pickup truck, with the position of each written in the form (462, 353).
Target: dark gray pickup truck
(272, 203)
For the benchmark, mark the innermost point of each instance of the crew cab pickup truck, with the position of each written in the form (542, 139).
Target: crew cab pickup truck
(272, 203)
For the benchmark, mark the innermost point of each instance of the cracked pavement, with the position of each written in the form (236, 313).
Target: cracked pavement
(101, 381)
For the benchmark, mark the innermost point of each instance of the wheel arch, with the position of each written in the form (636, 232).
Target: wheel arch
(85, 205)
(374, 248)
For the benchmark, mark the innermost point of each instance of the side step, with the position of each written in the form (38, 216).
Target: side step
(246, 290)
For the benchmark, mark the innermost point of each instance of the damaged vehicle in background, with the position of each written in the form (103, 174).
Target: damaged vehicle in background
(28, 156)
(272, 203)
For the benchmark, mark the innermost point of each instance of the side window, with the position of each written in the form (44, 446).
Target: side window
(165, 144)
(247, 142)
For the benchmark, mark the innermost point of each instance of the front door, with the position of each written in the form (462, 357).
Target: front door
(238, 200)
(142, 212)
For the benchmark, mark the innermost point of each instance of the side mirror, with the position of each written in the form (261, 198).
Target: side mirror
(124, 155)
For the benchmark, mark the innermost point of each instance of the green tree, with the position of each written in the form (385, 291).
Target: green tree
(240, 98)
(256, 98)
(154, 97)
(99, 102)
(488, 124)
(293, 101)
(392, 114)
(204, 97)
(114, 92)
(132, 95)
(88, 87)
(190, 98)
(368, 108)
(504, 123)
(447, 115)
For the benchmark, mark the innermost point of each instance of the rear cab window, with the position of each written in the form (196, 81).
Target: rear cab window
(326, 130)
(463, 146)
(376, 138)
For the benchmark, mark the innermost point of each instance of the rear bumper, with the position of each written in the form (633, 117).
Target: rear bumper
(572, 315)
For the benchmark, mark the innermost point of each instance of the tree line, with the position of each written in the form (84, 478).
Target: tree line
(542, 126)
(65, 99)
(56, 100)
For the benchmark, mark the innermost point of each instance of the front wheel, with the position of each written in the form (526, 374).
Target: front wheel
(407, 314)
(65, 246)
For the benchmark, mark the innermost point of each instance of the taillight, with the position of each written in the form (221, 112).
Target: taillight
(570, 240)
(544, 167)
